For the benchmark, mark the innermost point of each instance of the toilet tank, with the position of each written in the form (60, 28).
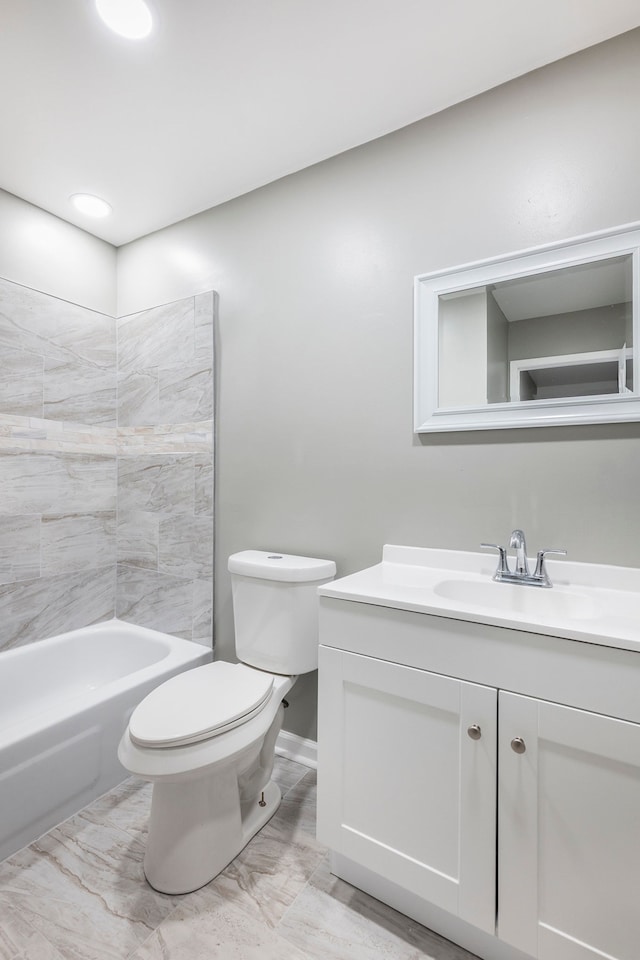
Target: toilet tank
(275, 608)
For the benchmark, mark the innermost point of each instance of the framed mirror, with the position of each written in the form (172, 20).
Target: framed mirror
(543, 337)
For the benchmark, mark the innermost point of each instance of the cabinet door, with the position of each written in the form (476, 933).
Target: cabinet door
(569, 832)
(403, 789)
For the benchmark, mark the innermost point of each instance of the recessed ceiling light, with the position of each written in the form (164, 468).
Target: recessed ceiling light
(92, 206)
(130, 18)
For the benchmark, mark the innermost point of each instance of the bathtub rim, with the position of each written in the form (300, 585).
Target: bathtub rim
(179, 653)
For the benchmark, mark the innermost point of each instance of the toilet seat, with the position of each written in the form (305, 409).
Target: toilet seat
(200, 704)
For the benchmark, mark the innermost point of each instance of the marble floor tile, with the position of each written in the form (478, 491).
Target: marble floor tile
(296, 815)
(81, 886)
(286, 773)
(125, 807)
(21, 941)
(263, 880)
(221, 933)
(332, 920)
(79, 893)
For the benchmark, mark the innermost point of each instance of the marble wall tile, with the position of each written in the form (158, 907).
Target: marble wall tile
(67, 464)
(21, 383)
(19, 548)
(89, 336)
(181, 393)
(160, 484)
(50, 483)
(165, 467)
(41, 324)
(137, 538)
(185, 392)
(165, 438)
(57, 465)
(58, 359)
(78, 542)
(155, 600)
(138, 398)
(144, 440)
(78, 391)
(203, 611)
(35, 435)
(203, 466)
(31, 610)
(158, 337)
(185, 547)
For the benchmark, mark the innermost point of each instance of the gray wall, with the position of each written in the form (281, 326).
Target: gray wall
(315, 446)
(41, 251)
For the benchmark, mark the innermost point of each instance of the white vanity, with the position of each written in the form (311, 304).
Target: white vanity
(479, 751)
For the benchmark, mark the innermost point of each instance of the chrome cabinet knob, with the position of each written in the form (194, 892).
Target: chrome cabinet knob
(474, 731)
(518, 745)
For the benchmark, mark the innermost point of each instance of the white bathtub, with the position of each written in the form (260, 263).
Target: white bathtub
(64, 704)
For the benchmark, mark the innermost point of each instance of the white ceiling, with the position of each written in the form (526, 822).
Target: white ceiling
(228, 95)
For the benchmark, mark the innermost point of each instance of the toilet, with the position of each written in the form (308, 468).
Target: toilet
(206, 738)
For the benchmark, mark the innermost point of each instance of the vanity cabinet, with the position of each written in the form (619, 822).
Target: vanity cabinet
(514, 812)
(569, 829)
(405, 790)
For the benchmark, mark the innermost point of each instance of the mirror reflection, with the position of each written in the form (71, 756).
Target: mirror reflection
(563, 333)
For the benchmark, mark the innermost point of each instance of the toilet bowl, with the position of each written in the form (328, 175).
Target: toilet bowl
(206, 738)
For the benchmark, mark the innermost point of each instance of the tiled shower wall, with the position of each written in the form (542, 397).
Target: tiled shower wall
(165, 468)
(105, 467)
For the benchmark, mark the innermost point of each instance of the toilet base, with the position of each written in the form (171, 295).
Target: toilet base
(187, 847)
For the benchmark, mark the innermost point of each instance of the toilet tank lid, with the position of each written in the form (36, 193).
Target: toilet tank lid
(271, 565)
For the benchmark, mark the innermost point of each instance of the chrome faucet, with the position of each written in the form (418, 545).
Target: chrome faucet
(521, 574)
(517, 540)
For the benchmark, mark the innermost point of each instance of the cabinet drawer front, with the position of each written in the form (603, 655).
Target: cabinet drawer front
(403, 788)
(569, 832)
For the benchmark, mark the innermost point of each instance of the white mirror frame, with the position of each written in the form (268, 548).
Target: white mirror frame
(428, 287)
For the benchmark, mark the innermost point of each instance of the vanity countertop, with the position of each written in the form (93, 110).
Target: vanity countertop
(593, 603)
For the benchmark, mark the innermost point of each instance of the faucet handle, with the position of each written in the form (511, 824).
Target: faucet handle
(541, 570)
(503, 566)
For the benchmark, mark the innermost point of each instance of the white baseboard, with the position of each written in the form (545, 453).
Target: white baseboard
(296, 748)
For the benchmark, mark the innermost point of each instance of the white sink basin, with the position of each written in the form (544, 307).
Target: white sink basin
(525, 601)
(595, 603)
